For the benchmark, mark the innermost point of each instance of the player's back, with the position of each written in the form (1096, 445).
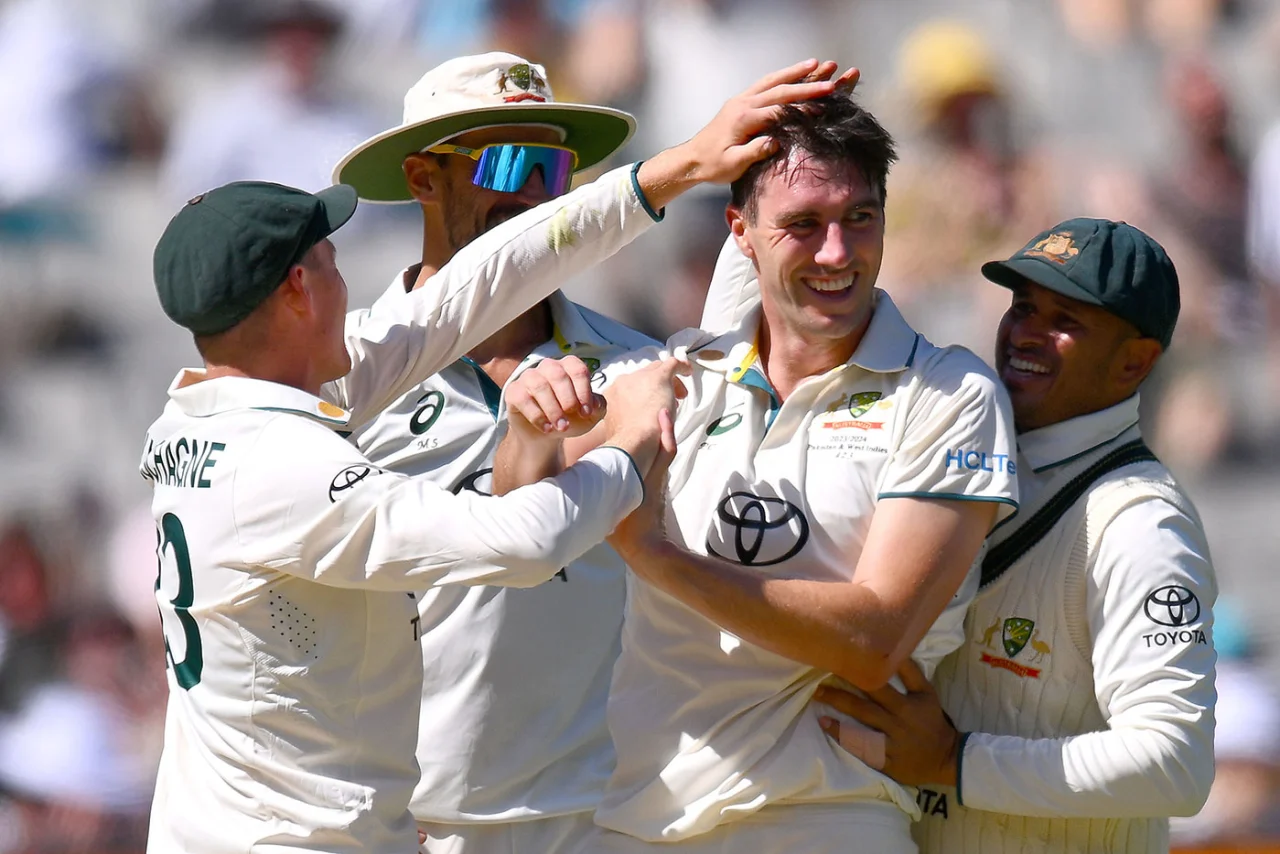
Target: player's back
(291, 702)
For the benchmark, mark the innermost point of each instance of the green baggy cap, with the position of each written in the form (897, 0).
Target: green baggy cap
(1104, 263)
(228, 249)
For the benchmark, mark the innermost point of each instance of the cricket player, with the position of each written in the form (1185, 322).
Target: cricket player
(1083, 696)
(834, 478)
(288, 560)
(512, 740)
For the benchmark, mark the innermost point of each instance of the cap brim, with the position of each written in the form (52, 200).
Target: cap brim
(374, 167)
(1017, 271)
(340, 203)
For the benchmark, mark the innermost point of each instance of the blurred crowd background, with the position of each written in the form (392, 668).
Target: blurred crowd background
(1012, 115)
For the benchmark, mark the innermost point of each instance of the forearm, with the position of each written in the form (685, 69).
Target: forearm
(1128, 773)
(520, 461)
(405, 338)
(828, 625)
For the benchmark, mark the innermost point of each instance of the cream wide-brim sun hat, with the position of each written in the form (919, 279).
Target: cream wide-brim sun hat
(470, 92)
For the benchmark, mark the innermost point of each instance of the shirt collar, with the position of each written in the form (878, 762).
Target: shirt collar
(569, 329)
(888, 345)
(1063, 442)
(197, 397)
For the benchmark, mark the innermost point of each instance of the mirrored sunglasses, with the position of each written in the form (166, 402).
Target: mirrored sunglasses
(506, 167)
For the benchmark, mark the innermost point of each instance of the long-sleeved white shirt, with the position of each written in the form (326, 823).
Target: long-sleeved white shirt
(289, 561)
(1086, 678)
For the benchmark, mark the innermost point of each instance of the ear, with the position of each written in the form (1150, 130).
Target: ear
(738, 230)
(425, 177)
(1136, 359)
(294, 293)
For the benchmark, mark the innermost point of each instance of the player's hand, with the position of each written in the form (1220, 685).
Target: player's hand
(920, 746)
(635, 400)
(730, 143)
(554, 399)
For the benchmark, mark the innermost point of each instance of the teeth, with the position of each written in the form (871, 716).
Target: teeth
(1024, 365)
(830, 285)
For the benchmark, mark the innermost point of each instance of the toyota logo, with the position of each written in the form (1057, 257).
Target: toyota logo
(766, 531)
(1172, 605)
(349, 478)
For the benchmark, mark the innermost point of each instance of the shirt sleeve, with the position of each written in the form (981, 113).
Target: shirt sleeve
(957, 437)
(405, 338)
(1264, 210)
(1149, 597)
(310, 505)
(734, 290)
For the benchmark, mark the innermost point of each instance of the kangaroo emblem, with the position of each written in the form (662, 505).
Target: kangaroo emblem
(989, 634)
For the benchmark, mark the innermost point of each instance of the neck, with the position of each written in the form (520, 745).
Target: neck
(789, 359)
(294, 376)
(502, 352)
(436, 251)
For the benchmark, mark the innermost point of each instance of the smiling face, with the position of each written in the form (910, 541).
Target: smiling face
(816, 235)
(1061, 358)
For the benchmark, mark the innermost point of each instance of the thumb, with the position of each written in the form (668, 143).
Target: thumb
(913, 678)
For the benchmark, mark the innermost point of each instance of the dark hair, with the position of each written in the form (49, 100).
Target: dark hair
(833, 130)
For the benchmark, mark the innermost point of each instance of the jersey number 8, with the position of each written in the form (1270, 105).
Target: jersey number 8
(171, 537)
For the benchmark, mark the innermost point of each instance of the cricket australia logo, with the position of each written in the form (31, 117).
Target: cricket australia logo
(525, 77)
(757, 530)
(847, 411)
(1016, 633)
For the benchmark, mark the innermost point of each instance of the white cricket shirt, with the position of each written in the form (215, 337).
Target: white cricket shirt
(288, 561)
(288, 565)
(1086, 676)
(708, 727)
(515, 681)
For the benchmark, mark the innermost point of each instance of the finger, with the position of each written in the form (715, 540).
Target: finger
(580, 375)
(783, 75)
(680, 389)
(758, 148)
(544, 398)
(599, 406)
(520, 402)
(789, 93)
(866, 744)
(848, 81)
(565, 388)
(824, 71)
(667, 433)
(865, 711)
(913, 678)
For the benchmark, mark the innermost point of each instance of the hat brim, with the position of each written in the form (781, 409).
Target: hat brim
(1017, 271)
(340, 203)
(374, 167)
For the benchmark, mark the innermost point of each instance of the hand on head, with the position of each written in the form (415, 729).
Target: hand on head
(731, 142)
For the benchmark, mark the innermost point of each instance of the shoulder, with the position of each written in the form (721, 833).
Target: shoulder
(953, 367)
(1139, 518)
(958, 377)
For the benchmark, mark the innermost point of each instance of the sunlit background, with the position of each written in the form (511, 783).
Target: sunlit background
(1011, 114)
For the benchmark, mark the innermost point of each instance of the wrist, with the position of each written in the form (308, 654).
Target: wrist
(664, 177)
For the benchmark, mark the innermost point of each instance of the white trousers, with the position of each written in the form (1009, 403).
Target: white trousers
(861, 828)
(563, 834)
